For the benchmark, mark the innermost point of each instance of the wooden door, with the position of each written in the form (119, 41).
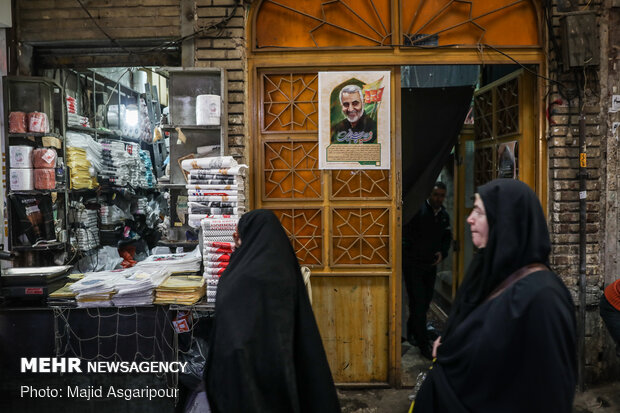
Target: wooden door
(341, 224)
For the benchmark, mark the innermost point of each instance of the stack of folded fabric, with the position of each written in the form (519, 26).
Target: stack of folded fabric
(214, 188)
(138, 288)
(180, 289)
(120, 162)
(73, 117)
(62, 297)
(216, 256)
(87, 231)
(96, 288)
(84, 160)
(145, 157)
(183, 263)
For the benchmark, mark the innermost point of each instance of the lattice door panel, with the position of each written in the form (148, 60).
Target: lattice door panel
(304, 228)
(291, 170)
(360, 184)
(508, 108)
(484, 165)
(483, 115)
(290, 102)
(360, 236)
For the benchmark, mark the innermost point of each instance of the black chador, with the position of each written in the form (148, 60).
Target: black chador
(509, 343)
(266, 354)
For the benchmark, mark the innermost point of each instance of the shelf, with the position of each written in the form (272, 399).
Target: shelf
(34, 134)
(198, 127)
(165, 243)
(104, 134)
(82, 129)
(37, 191)
(170, 186)
(41, 247)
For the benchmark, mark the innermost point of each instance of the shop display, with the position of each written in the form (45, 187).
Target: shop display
(21, 179)
(208, 109)
(35, 219)
(184, 290)
(44, 158)
(44, 178)
(38, 122)
(20, 156)
(17, 122)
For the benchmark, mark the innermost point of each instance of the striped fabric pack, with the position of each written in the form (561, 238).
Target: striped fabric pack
(216, 200)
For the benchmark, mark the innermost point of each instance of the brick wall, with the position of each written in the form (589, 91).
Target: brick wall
(602, 220)
(226, 48)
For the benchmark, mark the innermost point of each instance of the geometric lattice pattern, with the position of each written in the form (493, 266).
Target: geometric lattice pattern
(291, 170)
(304, 227)
(290, 102)
(483, 115)
(360, 236)
(507, 116)
(367, 184)
(484, 166)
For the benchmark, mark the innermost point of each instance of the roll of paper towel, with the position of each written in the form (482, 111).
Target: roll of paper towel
(21, 156)
(21, 179)
(208, 110)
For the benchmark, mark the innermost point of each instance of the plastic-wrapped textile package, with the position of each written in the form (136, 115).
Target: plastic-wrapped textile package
(17, 122)
(44, 178)
(38, 122)
(36, 219)
(44, 158)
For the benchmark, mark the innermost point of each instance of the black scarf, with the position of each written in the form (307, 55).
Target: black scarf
(516, 352)
(518, 236)
(266, 353)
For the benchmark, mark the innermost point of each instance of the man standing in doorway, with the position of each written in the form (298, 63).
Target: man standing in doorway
(357, 126)
(426, 241)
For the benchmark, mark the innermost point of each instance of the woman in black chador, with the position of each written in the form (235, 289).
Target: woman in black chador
(265, 353)
(509, 343)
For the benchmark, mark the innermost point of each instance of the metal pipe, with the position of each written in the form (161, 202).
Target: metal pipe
(581, 343)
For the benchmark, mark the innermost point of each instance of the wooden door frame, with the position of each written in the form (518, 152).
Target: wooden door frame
(384, 59)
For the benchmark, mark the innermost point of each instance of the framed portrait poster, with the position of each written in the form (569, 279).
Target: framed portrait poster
(354, 120)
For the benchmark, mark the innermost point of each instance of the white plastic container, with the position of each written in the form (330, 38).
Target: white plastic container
(208, 110)
(21, 179)
(21, 156)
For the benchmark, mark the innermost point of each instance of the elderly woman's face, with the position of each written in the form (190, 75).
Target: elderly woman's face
(236, 237)
(478, 223)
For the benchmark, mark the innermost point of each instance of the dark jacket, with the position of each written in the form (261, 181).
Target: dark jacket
(365, 131)
(426, 234)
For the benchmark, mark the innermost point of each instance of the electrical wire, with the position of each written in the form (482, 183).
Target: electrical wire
(219, 25)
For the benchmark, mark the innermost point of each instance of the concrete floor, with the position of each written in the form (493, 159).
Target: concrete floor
(598, 399)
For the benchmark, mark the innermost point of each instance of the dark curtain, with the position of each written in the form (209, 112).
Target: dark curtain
(432, 121)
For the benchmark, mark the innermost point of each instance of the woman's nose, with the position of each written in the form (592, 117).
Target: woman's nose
(470, 219)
